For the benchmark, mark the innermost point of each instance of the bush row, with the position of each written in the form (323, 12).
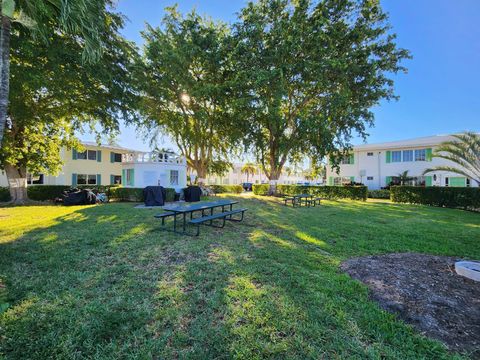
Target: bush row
(328, 192)
(379, 194)
(219, 189)
(50, 192)
(451, 197)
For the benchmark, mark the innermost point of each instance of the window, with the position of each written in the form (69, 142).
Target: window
(82, 155)
(92, 179)
(225, 181)
(446, 182)
(173, 177)
(34, 179)
(117, 157)
(117, 179)
(407, 155)
(347, 160)
(345, 180)
(396, 156)
(369, 177)
(420, 155)
(92, 155)
(81, 179)
(467, 182)
(369, 153)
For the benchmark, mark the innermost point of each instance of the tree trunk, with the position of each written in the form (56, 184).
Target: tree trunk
(4, 73)
(274, 176)
(201, 174)
(17, 180)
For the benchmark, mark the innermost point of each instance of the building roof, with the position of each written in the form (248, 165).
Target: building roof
(421, 141)
(112, 147)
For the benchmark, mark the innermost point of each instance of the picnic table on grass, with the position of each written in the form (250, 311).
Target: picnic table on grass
(306, 199)
(208, 215)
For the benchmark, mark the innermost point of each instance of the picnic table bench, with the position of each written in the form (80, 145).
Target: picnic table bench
(206, 219)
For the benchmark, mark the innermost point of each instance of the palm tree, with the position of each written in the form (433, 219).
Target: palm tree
(78, 17)
(404, 178)
(248, 169)
(463, 151)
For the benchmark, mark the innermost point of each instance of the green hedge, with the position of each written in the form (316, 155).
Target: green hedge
(328, 192)
(219, 189)
(379, 194)
(4, 194)
(135, 194)
(451, 197)
(260, 189)
(114, 192)
(45, 192)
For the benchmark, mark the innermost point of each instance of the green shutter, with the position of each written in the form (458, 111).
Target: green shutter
(428, 181)
(389, 157)
(99, 155)
(112, 157)
(99, 179)
(124, 177)
(112, 179)
(330, 180)
(74, 154)
(457, 181)
(388, 180)
(132, 177)
(352, 159)
(428, 154)
(74, 179)
(352, 179)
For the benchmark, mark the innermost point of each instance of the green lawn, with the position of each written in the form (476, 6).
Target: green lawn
(103, 282)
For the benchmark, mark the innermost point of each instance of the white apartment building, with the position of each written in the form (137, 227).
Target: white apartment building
(378, 165)
(236, 177)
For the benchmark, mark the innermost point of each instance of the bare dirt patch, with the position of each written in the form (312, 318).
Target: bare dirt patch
(425, 291)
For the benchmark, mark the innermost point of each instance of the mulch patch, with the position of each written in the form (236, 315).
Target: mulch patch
(426, 292)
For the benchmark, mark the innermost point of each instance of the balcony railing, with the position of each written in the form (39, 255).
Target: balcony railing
(153, 157)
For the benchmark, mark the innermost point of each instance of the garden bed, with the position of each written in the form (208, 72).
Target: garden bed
(424, 291)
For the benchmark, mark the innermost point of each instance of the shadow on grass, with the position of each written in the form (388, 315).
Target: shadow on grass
(104, 282)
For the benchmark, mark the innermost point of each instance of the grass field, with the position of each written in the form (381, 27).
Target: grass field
(103, 282)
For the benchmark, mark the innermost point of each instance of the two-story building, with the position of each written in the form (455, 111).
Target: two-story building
(378, 165)
(114, 165)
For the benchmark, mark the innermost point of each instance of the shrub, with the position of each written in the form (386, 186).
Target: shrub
(126, 194)
(219, 189)
(50, 192)
(379, 194)
(4, 194)
(451, 197)
(260, 189)
(45, 192)
(114, 192)
(328, 192)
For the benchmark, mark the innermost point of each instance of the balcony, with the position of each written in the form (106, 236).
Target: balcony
(153, 158)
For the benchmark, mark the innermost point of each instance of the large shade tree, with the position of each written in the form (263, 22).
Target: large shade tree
(310, 73)
(81, 18)
(54, 93)
(185, 94)
(463, 151)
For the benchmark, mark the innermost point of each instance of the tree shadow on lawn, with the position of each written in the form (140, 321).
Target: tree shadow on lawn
(104, 282)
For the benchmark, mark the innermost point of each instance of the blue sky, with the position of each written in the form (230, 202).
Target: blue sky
(439, 95)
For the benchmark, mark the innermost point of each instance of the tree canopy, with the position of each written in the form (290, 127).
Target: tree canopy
(310, 73)
(54, 92)
(184, 88)
(83, 19)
